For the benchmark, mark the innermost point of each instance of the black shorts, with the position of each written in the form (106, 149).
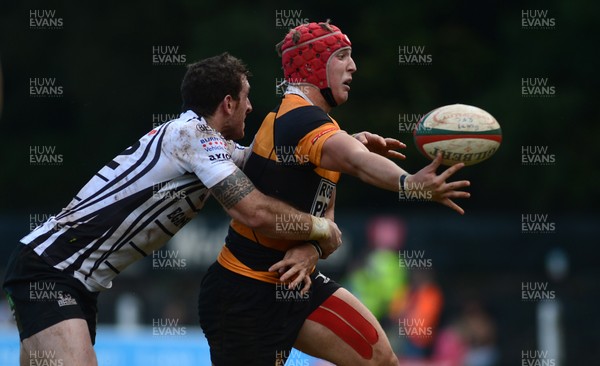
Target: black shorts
(40, 296)
(250, 322)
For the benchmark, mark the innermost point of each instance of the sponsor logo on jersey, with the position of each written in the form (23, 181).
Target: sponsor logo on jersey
(322, 133)
(66, 299)
(214, 148)
(213, 143)
(178, 218)
(321, 201)
(325, 278)
(202, 127)
(219, 157)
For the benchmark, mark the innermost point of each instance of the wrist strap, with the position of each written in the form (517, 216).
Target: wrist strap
(317, 247)
(320, 228)
(401, 183)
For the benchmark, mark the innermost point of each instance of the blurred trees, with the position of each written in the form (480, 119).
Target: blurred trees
(102, 56)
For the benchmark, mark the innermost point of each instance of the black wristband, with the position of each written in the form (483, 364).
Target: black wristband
(402, 179)
(317, 247)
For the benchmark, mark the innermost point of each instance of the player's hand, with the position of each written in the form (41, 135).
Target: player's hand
(436, 186)
(384, 146)
(297, 264)
(330, 245)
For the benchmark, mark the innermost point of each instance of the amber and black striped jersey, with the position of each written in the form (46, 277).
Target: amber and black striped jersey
(137, 201)
(284, 164)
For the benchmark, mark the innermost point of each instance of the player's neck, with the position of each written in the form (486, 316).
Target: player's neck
(317, 98)
(215, 122)
(313, 95)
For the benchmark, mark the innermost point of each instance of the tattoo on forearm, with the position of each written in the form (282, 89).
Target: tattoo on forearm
(232, 189)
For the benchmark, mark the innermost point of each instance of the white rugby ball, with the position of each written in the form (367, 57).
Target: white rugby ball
(461, 133)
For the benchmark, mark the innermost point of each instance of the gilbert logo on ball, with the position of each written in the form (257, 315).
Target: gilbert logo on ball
(461, 133)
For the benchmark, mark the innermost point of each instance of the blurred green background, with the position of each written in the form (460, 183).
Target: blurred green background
(102, 56)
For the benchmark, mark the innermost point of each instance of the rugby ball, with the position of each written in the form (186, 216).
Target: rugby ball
(461, 133)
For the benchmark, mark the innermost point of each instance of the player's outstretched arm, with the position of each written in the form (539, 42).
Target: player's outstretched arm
(245, 203)
(345, 154)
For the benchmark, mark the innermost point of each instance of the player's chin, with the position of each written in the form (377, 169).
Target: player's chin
(239, 135)
(342, 97)
(236, 132)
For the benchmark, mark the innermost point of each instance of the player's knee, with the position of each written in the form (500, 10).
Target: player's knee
(392, 360)
(385, 357)
(91, 358)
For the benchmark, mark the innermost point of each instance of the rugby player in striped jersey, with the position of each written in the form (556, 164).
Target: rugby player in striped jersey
(135, 203)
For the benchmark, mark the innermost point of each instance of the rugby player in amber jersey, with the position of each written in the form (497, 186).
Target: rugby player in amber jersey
(247, 316)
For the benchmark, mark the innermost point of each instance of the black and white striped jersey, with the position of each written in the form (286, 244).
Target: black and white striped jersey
(137, 201)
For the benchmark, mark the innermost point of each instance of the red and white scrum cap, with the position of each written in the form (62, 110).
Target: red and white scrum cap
(305, 52)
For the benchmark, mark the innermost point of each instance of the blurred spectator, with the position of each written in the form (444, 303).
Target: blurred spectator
(420, 314)
(470, 340)
(379, 281)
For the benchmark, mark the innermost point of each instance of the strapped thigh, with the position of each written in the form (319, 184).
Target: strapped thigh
(348, 324)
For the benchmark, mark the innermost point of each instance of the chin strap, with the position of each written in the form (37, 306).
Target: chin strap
(328, 95)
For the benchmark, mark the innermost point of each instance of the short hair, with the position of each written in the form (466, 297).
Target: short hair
(208, 81)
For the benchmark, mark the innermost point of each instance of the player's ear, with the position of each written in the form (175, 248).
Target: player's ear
(228, 104)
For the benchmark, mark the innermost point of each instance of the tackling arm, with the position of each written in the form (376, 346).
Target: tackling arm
(245, 203)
